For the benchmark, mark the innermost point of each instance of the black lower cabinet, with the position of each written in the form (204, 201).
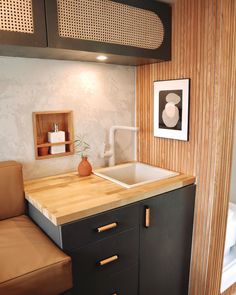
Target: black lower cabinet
(140, 249)
(165, 242)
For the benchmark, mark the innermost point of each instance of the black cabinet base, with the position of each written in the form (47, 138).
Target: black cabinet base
(149, 260)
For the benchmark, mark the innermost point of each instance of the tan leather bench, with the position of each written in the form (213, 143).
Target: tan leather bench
(30, 263)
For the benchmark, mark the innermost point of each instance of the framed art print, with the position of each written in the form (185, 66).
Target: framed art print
(171, 109)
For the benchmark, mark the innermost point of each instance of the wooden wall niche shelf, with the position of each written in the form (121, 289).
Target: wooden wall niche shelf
(43, 123)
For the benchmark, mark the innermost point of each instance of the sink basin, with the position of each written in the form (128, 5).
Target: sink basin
(134, 174)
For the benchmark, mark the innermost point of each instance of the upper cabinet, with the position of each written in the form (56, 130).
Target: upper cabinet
(129, 32)
(22, 22)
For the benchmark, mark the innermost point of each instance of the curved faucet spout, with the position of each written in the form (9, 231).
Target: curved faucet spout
(111, 152)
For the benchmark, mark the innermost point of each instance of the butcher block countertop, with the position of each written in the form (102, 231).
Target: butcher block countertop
(68, 197)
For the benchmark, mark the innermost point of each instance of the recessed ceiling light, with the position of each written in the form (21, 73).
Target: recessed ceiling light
(102, 57)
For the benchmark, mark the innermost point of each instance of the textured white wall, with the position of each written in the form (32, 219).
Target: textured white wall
(233, 175)
(100, 96)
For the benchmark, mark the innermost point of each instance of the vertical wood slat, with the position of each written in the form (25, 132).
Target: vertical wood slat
(203, 49)
(225, 90)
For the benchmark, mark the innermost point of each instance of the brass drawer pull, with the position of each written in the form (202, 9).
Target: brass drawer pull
(147, 216)
(108, 260)
(107, 227)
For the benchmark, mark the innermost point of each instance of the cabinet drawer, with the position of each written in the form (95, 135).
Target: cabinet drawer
(98, 261)
(122, 283)
(77, 234)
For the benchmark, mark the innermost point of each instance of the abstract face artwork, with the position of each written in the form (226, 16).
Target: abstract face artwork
(171, 109)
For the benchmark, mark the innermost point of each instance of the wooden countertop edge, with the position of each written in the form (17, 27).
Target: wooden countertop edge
(116, 204)
(125, 197)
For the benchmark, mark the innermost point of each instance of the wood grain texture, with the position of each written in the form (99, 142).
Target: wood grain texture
(203, 50)
(225, 89)
(68, 197)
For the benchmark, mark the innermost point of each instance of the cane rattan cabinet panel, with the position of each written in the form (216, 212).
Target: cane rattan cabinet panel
(122, 29)
(22, 22)
(130, 32)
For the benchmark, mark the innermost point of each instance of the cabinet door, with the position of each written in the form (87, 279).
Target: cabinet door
(22, 23)
(121, 29)
(165, 242)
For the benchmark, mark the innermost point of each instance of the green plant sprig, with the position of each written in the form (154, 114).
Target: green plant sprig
(81, 146)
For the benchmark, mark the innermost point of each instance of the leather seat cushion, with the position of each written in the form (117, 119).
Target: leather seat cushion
(12, 201)
(29, 260)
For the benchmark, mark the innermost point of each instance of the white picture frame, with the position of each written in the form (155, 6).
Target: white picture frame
(171, 109)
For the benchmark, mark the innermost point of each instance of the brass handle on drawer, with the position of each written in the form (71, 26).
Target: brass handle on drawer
(107, 227)
(147, 216)
(108, 260)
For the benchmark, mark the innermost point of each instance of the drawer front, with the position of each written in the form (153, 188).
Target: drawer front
(77, 234)
(99, 261)
(122, 283)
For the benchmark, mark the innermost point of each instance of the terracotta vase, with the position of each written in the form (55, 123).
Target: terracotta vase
(84, 168)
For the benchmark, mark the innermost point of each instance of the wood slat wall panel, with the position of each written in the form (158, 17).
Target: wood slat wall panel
(225, 81)
(204, 51)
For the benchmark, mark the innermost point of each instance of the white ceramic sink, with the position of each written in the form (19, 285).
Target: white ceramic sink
(134, 174)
